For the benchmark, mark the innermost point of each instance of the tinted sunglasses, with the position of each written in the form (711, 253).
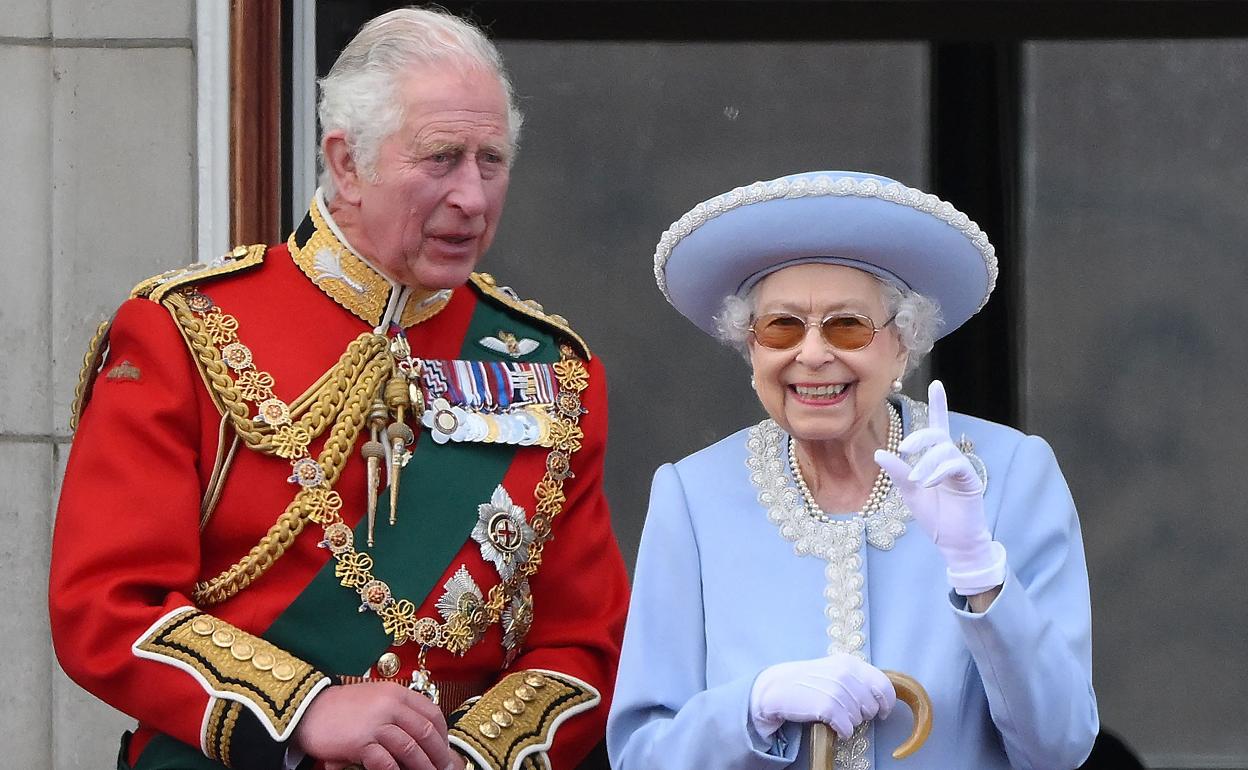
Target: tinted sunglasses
(843, 331)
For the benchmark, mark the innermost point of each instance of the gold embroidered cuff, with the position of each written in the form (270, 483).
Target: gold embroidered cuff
(509, 727)
(236, 666)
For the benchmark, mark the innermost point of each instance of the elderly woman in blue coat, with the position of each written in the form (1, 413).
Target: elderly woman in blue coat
(853, 531)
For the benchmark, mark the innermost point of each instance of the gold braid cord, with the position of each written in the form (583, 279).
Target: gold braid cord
(277, 429)
(339, 398)
(91, 363)
(342, 396)
(309, 503)
(466, 624)
(219, 729)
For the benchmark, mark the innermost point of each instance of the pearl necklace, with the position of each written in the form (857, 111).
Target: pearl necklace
(879, 490)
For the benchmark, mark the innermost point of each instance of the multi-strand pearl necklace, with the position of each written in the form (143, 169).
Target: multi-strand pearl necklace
(879, 490)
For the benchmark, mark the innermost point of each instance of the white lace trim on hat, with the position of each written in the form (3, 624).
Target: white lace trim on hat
(807, 187)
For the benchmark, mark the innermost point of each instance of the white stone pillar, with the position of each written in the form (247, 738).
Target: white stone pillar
(97, 144)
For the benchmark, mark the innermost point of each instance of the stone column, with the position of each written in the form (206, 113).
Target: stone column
(97, 149)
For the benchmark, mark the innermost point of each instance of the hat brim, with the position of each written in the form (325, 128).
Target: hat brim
(913, 239)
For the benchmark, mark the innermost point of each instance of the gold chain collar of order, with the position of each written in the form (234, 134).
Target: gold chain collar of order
(363, 371)
(336, 401)
(463, 627)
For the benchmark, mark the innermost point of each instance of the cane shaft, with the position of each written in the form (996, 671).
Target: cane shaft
(822, 747)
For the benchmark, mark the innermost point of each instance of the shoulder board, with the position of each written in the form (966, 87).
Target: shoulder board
(487, 285)
(241, 258)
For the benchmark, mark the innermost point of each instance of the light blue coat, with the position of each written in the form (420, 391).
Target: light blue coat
(719, 595)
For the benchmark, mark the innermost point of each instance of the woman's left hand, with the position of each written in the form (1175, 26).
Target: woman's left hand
(946, 497)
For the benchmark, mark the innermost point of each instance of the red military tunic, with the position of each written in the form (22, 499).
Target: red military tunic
(189, 591)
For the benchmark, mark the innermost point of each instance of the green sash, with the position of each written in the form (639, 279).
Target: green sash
(163, 752)
(439, 491)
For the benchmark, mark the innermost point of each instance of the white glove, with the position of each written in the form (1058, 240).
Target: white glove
(946, 497)
(841, 691)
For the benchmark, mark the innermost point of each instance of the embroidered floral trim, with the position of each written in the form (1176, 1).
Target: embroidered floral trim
(838, 541)
(778, 494)
(760, 192)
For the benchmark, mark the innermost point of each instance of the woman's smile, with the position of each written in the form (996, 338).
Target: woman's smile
(816, 394)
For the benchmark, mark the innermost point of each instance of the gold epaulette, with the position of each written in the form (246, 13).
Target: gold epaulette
(237, 670)
(514, 722)
(240, 258)
(532, 309)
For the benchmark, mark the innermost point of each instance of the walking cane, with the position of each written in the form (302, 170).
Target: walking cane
(910, 692)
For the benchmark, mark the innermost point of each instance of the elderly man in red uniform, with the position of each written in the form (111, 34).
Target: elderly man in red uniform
(338, 502)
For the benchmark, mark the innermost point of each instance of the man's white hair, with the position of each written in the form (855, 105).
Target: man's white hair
(359, 97)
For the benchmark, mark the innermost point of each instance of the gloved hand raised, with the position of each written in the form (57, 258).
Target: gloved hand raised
(946, 497)
(840, 690)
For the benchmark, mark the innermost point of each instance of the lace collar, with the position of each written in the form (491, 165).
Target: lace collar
(779, 496)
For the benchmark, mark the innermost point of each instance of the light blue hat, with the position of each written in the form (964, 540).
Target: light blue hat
(908, 237)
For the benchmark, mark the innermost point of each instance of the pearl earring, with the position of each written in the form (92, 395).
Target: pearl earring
(897, 385)
(753, 385)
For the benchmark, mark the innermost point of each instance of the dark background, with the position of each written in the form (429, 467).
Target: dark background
(1102, 147)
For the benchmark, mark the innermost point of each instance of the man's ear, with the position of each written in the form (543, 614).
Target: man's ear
(341, 166)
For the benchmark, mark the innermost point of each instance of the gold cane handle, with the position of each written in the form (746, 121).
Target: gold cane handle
(910, 692)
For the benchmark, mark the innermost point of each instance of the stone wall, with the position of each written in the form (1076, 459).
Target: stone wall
(97, 147)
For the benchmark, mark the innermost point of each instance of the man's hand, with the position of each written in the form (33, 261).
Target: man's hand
(378, 726)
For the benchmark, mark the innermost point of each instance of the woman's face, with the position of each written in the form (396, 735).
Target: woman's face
(814, 391)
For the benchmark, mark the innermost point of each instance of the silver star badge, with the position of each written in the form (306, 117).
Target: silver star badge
(462, 594)
(517, 619)
(503, 533)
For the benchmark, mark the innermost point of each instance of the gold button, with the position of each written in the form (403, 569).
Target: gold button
(525, 693)
(388, 665)
(488, 279)
(223, 637)
(534, 680)
(242, 650)
(501, 718)
(513, 705)
(203, 626)
(263, 661)
(283, 672)
(239, 252)
(490, 730)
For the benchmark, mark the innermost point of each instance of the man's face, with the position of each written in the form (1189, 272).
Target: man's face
(430, 209)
